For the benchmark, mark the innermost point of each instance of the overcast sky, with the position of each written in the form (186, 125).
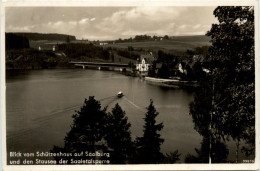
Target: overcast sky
(108, 23)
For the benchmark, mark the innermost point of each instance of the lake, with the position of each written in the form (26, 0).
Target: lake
(40, 103)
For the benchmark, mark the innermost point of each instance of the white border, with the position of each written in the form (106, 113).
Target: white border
(110, 3)
(100, 3)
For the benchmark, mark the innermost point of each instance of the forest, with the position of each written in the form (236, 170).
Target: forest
(47, 36)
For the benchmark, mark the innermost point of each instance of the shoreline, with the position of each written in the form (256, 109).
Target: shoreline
(170, 83)
(173, 83)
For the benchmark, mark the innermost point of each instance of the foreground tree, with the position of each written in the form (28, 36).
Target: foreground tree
(226, 102)
(219, 152)
(118, 136)
(208, 124)
(148, 146)
(87, 131)
(172, 157)
(233, 51)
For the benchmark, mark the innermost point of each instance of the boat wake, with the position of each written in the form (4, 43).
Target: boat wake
(43, 120)
(61, 112)
(136, 106)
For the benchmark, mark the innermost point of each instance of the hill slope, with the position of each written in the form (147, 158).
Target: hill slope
(177, 43)
(48, 36)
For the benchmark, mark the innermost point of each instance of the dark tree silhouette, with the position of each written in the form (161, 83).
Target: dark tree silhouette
(14, 41)
(112, 57)
(118, 136)
(219, 153)
(87, 131)
(45, 36)
(148, 146)
(166, 37)
(172, 157)
(151, 70)
(197, 71)
(164, 71)
(130, 48)
(68, 39)
(207, 123)
(233, 50)
(225, 103)
(76, 50)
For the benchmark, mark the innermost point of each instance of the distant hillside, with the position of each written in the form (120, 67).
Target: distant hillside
(48, 36)
(14, 41)
(198, 38)
(176, 43)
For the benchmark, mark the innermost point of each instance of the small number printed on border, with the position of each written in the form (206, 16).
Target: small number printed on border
(248, 161)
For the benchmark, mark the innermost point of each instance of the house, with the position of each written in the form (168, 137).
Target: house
(205, 70)
(182, 68)
(103, 43)
(142, 65)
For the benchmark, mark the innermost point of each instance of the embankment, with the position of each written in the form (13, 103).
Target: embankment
(174, 83)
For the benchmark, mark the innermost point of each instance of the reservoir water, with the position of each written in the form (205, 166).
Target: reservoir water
(40, 103)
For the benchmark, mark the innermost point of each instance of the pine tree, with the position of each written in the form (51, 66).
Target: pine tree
(118, 136)
(148, 146)
(87, 131)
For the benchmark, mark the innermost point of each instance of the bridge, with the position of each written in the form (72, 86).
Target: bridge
(100, 65)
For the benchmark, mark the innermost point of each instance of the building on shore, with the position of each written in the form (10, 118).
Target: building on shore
(143, 64)
(103, 43)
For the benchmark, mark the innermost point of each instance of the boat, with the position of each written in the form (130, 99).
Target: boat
(120, 94)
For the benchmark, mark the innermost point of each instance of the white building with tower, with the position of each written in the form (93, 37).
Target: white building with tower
(143, 65)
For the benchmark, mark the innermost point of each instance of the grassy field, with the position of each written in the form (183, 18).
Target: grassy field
(178, 43)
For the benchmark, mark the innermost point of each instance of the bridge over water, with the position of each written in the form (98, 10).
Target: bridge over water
(101, 65)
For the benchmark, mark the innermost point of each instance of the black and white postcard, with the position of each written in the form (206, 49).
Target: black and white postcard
(132, 85)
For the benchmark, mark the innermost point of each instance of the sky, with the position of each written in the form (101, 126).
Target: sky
(110, 23)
